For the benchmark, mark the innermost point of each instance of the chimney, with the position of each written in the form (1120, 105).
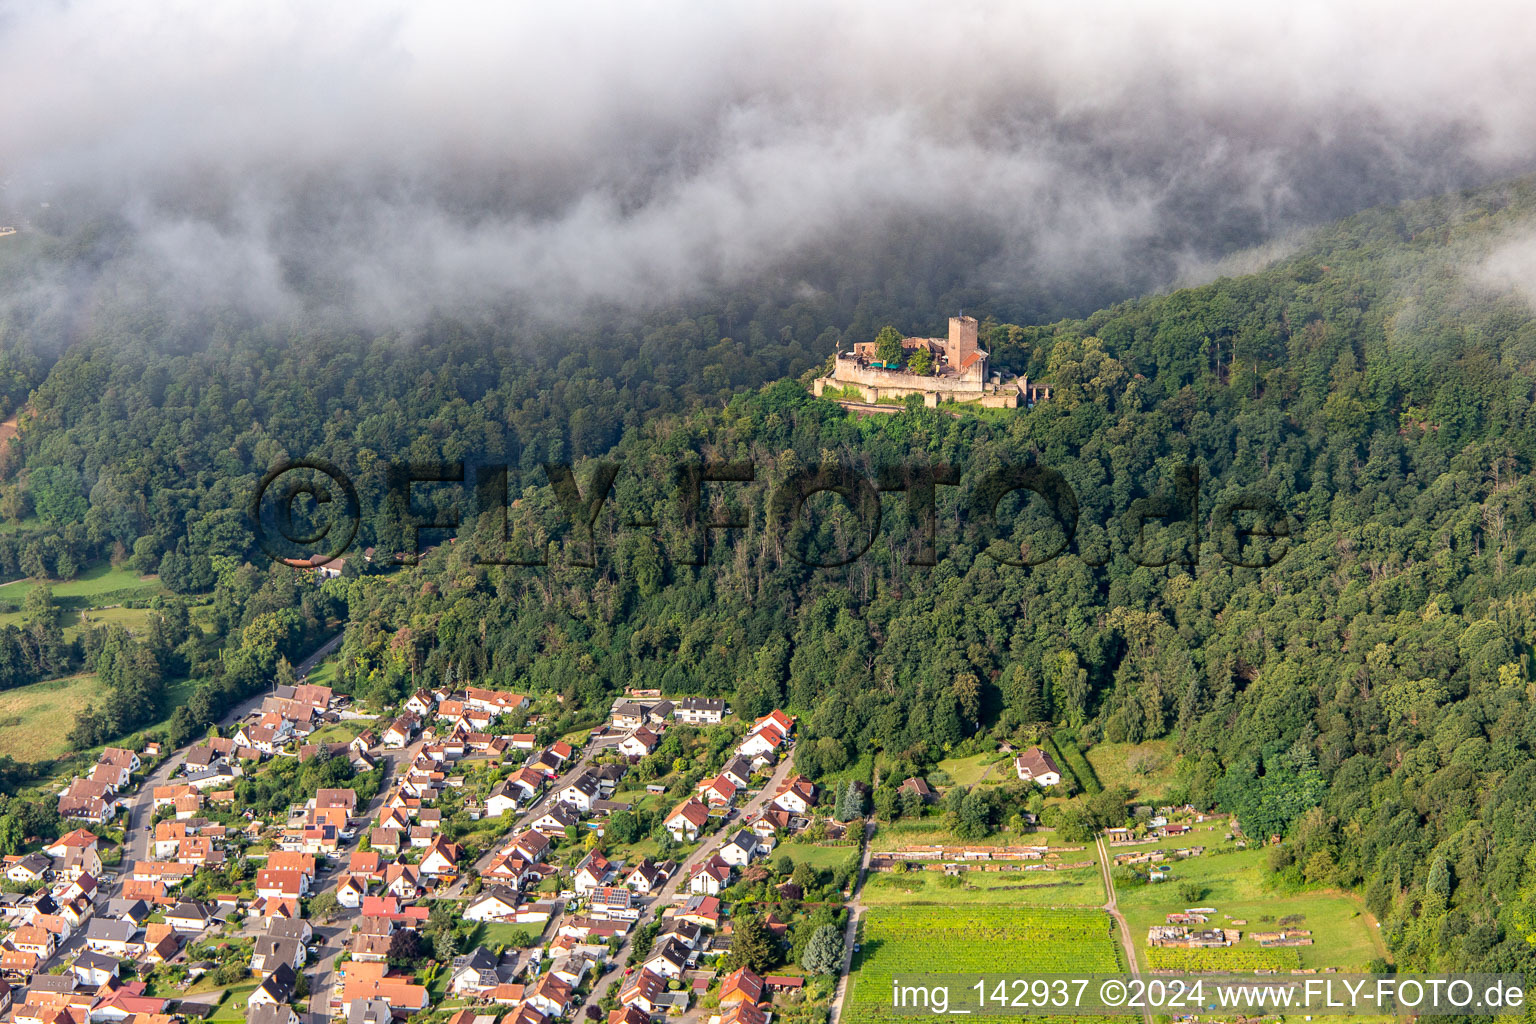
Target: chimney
(962, 339)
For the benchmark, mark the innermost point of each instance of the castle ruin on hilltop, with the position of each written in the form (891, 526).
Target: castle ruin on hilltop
(960, 373)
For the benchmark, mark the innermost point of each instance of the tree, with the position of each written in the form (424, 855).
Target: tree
(850, 802)
(824, 953)
(322, 906)
(974, 819)
(888, 347)
(623, 827)
(404, 948)
(753, 945)
(12, 838)
(921, 363)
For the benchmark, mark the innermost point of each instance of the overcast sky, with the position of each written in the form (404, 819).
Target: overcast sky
(445, 155)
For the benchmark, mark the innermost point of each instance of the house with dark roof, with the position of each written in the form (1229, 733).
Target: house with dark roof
(700, 711)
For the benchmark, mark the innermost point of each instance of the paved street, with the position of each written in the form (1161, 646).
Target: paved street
(668, 893)
(140, 805)
(331, 938)
(521, 823)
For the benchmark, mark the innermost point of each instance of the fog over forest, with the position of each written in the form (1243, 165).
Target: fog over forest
(381, 163)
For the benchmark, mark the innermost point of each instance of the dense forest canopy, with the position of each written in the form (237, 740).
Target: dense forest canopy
(1369, 696)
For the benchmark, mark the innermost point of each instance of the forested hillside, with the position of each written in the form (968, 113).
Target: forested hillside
(1370, 696)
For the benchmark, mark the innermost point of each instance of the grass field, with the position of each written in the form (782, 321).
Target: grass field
(966, 771)
(35, 719)
(902, 942)
(1233, 883)
(1146, 769)
(84, 593)
(92, 582)
(134, 620)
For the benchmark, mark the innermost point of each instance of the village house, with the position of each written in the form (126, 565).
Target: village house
(86, 800)
(403, 881)
(629, 715)
(644, 990)
(192, 916)
(667, 958)
(556, 820)
(272, 951)
(1035, 765)
(639, 743)
(27, 869)
(920, 788)
(797, 795)
(700, 711)
(579, 792)
(280, 883)
(647, 877)
(710, 877)
(717, 792)
(350, 890)
(593, 871)
(764, 740)
(494, 903)
(742, 848)
(739, 770)
(478, 972)
(441, 858)
(741, 985)
(687, 820)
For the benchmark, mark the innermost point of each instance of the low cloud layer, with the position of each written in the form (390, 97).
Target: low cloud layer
(386, 161)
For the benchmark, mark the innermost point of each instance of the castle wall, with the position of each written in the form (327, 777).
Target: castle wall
(970, 383)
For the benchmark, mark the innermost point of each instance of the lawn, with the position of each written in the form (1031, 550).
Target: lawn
(1079, 887)
(1146, 769)
(232, 1007)
(340, 732)
(1234, 883)
(324, 673)
(820, 857)
(644, 801)
(34, 719)
(500, 933)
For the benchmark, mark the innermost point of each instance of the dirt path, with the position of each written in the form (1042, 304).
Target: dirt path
(855, 912)
(1113, 908)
